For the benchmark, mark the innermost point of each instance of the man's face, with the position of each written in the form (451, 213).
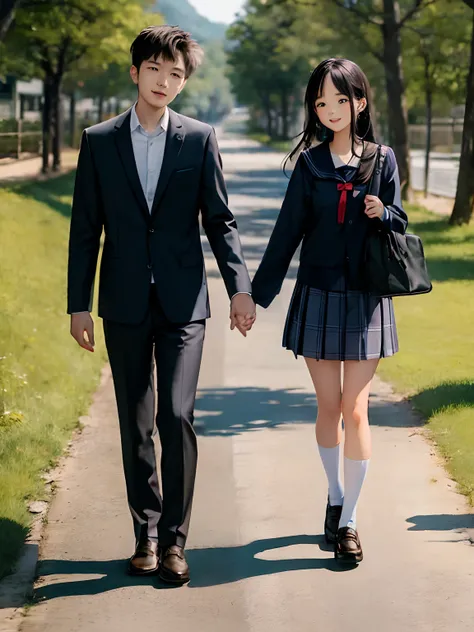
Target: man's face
(159, 81)
(333, 108)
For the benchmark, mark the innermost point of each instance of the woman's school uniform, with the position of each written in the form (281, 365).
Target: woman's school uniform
(330, 317)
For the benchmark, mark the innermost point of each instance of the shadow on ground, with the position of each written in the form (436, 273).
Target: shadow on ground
(441, 522)
(209, 567)
(460, 394)
(219, 565)
(235, 411)
(12, 538)
(56, 193)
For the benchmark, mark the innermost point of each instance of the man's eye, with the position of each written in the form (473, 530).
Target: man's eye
(175, 74)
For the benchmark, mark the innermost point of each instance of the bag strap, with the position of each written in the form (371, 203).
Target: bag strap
(374, 186)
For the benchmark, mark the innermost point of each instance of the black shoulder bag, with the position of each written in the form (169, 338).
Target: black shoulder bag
(394, 264)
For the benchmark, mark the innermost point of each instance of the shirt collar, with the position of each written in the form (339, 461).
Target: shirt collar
(135, 123)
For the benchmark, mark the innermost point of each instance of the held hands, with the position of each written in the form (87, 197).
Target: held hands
(242, 313)
(373, 207)
(81, 323)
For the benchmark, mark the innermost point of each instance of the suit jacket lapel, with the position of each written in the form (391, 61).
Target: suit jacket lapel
(174, 142)
(123, 139)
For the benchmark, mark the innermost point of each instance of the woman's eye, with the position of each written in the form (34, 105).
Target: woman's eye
(343, 100)
(320, 105)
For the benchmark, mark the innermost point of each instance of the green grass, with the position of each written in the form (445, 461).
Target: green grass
(46, 380)
(278, 145)
(435, 366)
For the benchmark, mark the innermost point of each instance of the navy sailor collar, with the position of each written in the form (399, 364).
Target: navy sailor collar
(320, 163)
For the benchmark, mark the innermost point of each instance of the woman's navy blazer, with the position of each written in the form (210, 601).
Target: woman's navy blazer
(309, 215)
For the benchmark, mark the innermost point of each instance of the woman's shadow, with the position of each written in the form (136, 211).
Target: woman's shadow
(209, 567)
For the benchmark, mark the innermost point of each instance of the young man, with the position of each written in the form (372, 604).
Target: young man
(144, 176)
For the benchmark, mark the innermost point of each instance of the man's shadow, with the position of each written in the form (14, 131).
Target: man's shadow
(209, 567)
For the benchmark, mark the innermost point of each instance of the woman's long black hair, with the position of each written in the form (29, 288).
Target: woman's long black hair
(351, 81)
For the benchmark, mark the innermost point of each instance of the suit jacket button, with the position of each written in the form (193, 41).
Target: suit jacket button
(149, 266)
(350, 221)
(151, 230)
(179, 137)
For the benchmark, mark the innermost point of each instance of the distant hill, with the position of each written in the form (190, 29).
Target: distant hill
(183, 14)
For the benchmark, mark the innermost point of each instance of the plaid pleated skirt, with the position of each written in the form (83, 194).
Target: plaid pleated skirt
(340, 325)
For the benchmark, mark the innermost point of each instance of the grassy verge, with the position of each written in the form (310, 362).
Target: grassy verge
(278, 145)
(46, 380)
(436, 364)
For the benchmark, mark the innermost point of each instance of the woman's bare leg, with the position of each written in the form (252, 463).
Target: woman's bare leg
(357, 445)
(326, 376)
(327, 380)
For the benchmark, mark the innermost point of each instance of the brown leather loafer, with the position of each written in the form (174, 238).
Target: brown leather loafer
(331, 523)
(348, 548)
(145, 559)
(173, 566)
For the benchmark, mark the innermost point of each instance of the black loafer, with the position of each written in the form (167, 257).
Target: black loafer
(348, 549)
(331, 523)
(145, 559)
(173, 566)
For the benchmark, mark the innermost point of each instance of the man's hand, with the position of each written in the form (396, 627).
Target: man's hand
(81, 323)
(242, 313)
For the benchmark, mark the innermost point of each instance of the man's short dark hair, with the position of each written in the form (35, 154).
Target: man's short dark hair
(166, 41)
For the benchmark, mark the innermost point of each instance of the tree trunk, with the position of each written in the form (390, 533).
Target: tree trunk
(397, 111)
(57, 122)
(7, 12)
(268, 115)
(72, 119)
(429, 117)
(48, 80)
(463, 204)
(100, 111)
(285, 131)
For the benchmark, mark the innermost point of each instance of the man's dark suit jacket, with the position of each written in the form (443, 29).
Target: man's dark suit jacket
(108, 195)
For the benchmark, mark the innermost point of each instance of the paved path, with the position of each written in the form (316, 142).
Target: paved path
(30, 169)
(443, 175)
(258, 560)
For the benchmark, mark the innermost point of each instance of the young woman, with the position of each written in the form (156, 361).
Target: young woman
(341, 331)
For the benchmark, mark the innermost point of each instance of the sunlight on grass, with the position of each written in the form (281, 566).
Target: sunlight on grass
(435, 365)
(46, 380)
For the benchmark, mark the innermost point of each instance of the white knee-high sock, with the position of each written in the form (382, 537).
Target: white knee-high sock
(330, 458)
(354, 476)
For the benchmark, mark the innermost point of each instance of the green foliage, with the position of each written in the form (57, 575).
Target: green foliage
(324, 28)
(442, 34)
(273, 49)
(52, 37)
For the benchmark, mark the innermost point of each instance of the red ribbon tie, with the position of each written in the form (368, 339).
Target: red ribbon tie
(341, 210)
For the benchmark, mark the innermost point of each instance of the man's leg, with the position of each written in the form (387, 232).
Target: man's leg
(130, 349)
(178, 350)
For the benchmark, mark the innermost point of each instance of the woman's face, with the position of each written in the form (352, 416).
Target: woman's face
(333, 108)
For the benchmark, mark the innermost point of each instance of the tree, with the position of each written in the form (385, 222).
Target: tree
(463, 204)
(56, 35)
(436, 73)
(272, 48)
(381, 21)
(7, 12)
